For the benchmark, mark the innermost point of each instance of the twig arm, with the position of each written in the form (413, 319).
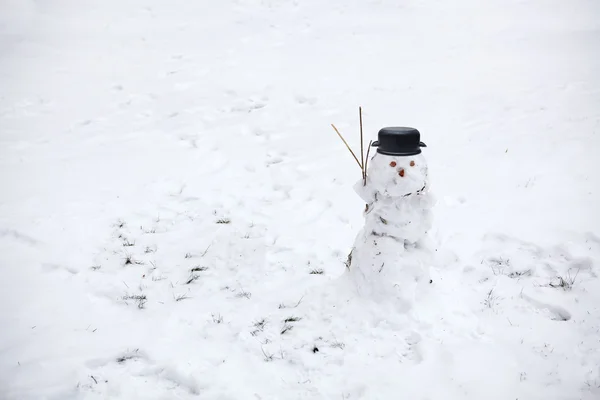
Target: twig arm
(347, 146)
(367, 163)
(362, 154)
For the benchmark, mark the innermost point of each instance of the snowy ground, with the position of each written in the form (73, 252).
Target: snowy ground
(175, 208)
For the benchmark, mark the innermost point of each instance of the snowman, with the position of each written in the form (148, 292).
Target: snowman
(391, 254)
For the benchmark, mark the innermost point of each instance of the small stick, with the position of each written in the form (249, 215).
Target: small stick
(367, 163)
(362, 154)
(348, 147)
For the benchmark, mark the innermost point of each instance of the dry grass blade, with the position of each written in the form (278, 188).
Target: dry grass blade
(347, 146)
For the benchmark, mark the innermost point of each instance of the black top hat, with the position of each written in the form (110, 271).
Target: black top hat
(399, 141)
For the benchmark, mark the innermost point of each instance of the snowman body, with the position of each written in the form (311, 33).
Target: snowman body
(391, 254)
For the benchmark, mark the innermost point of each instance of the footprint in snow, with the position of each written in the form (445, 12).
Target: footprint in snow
(131, 373)
(556, 313)
(306, 100)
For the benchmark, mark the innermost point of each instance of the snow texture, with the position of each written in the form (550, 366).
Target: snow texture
(176, 211)
(391, 255)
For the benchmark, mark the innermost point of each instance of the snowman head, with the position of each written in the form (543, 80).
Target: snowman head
(397, 175)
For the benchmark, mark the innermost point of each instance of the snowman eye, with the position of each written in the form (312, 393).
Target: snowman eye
(412, 163)
(393, 164)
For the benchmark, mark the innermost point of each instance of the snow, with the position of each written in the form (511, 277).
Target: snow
(194, 139)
